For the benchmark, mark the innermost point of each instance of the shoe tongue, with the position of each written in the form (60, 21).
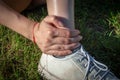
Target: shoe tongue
(76, 49)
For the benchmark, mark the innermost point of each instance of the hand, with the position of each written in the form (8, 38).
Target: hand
(54, 39)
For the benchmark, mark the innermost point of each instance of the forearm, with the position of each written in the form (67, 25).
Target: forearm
(15, 21)
(64, 9)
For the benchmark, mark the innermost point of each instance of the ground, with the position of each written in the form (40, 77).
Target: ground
(99, 23)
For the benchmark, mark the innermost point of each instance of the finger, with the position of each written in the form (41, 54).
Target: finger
(59, 53)
(60, 40)
(63, 47)
(74, 33)
(62, 33)
(54, 21)
(66, 33)
(75, 39)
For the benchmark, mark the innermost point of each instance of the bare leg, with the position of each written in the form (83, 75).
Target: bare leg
(63, 9)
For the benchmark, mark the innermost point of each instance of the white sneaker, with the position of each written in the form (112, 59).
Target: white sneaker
(77, 66)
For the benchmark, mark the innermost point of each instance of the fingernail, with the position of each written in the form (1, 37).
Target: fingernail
(72, 39)
(81, 37)
(78, 45)
(78, 31)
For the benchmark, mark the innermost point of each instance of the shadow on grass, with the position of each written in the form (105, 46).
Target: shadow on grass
(98, 20)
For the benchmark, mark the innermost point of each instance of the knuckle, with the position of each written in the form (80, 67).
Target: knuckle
(67, 33)
(43, 50)
(60, 48)
(53, 18)
(66, 41)
(77, 31)
(64, 53)
(47, 40)
(66, 47)
(50, 32)
(43, 47)
(52, 52)
(59, 53)
(71, 46)
(79, 38)
(45, 18)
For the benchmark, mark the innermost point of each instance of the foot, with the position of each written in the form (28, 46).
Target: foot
(77, 66)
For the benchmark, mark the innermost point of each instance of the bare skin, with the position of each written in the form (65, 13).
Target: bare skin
(64, 10)
(47, 43)
(57, 39)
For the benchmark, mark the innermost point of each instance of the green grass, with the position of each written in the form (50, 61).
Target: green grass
(99, 23)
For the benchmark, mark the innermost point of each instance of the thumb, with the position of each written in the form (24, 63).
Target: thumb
(61, 25)
(54, 20)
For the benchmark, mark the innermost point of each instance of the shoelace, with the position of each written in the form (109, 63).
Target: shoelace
(102, 68)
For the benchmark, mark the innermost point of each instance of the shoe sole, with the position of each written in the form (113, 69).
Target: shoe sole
(46, 74)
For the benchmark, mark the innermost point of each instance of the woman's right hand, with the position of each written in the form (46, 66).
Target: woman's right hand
(54, 39)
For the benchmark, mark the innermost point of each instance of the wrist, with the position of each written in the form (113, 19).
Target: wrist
(29, 30)
(36, 24)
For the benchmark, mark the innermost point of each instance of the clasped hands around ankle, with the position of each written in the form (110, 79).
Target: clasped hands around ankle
(53, 38)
